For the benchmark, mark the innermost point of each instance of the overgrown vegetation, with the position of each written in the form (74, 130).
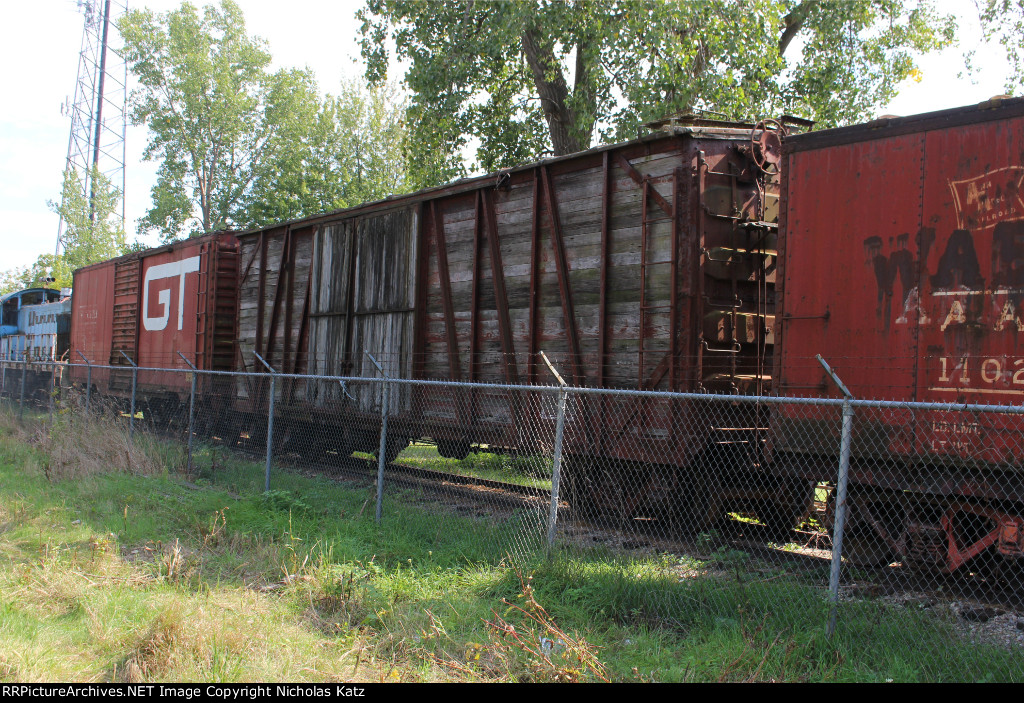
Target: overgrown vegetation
(125, 570)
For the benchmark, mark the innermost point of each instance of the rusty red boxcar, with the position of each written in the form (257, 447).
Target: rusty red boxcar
(151, 305)
(902, 264)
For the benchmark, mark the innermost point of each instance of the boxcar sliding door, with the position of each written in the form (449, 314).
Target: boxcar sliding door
(364, 291)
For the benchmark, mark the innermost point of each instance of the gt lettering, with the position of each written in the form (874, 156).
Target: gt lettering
(174, 269)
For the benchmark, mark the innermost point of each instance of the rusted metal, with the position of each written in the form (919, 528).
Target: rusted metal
(674, 302)
(638, 178)
(933, 285)
(564, 285)
(508, 349)
(455, 368)
(474, 315)
(698, 371)
(1011, 538)
(602, 314)
(261, 293)
(349, 352)
(645, 189)
(422, 268)
(534, 277)
(908, 232)
(287, 359)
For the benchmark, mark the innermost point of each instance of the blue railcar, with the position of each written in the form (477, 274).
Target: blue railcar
(35, 326)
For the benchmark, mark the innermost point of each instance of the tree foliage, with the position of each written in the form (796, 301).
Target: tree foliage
(239, 145)
(1003, 21)
(336, 152)
(204, 93)
(93, 232)
(93, 229)
(531, 77)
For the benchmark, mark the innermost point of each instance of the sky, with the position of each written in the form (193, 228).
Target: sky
(40, 43)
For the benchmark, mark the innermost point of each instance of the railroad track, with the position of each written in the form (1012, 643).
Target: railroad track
(408, 477)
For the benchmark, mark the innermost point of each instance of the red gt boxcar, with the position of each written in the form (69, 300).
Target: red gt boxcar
(902, 264)
(153, 304)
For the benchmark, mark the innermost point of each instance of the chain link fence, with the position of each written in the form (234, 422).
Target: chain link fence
(839, 518)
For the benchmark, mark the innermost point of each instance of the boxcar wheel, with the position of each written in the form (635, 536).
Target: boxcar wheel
(574, 488)
(867, 549)
(393, 448)
(862, 545)
(612, 491)
(453, 448)
(782, 516)
(700, 502)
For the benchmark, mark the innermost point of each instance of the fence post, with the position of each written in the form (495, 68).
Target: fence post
(88, 380)
(556, 468)
(53, 386)
(135, 377)
(841, 488)
(191, 408)
(56, 385)
(382, 451)
(270, 419)
(24, 372)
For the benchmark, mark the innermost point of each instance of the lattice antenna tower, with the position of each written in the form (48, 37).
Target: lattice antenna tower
(98, 117)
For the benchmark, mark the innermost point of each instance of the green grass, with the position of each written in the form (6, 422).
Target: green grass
(121, 574)
(520, 470)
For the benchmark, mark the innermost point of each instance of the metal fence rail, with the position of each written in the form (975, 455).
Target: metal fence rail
(802, 510)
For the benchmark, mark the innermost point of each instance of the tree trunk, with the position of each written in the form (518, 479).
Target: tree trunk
(553, 92)
(793, 23)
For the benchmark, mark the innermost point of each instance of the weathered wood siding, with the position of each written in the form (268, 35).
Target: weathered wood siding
(274, 301)
(629, 267)
(545, 313)
(364, 283)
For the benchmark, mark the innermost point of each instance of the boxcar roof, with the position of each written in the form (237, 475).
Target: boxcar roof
(706, 129)
(997, 108)
(155, 250)
(23, 291)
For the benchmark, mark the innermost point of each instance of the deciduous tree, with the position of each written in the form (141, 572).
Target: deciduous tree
(242, 146)
(205, 91)
(334, 152)
(1003, 21)
(92, 232)
(540, 76)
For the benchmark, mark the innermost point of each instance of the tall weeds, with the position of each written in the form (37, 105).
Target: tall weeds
(75, 444)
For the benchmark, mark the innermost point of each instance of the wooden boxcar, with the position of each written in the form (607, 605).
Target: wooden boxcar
(644, 265)
(902, 263)
(151, 305)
